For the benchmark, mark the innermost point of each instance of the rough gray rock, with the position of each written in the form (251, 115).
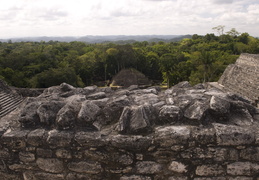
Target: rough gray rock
(87, 113)
(169, 114)
(28, 115)
(47, 111)
(133, 110)
(136, 119)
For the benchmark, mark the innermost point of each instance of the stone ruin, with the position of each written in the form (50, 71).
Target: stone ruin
(128, 77)
(183, 133)
(242, 77)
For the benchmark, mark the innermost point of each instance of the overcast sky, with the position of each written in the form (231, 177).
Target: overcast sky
(24, 18)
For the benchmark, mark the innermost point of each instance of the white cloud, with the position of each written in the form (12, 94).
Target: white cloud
(80, 17)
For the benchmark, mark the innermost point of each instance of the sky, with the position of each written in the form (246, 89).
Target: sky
(30, 18)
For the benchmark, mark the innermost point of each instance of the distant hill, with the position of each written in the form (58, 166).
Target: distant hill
(120, 39)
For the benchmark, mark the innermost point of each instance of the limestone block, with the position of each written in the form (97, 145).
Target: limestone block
(78, 176)
(229, 135)
(136, 119)
(15, 139)
(210, 178)
(135, 177)
(111, 112)
(47, 111)
(142, 99)
(23, 167)
(242, 169)
(250, 153)
(204, 135)
(178, 178)
(178, 167)
(87, 113)
(85, 167)
(210, 170)
(67, 115)
(98, 95)
(134, 143)
(148, 167)
(35, 137)
(95, 155)
(120, 170)
(217, 154)
(50, 165)
(240, 178)
(58, 138)
(47, 153)
(63, 153)
(196, 110)
(219, 105)
(28, 115)
(26, 157)
(30, 175)
(172, 135)
(6, 176)
(89, 139)
(4, 154)
(169, 114)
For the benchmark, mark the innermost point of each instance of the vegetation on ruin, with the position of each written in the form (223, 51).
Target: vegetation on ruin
(198, 59)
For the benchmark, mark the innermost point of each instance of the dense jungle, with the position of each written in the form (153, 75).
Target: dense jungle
(197, 59)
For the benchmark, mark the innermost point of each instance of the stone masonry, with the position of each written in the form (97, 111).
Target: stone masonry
(182, 133)
(243, 77)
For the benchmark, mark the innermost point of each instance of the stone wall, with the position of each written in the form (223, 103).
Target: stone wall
(219, 152)
(91, 133)
(243, 77)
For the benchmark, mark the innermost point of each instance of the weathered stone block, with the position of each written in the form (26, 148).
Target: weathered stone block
(178, 178)
(229, 135)
(172, 135)
(85, 167)
(210, 178)
(47, 111)
(44, 152)
(89, 139)
(169, 114)
(240, 169)
(196, 110)
(63, 153)
(87, 113)
(134, 143)
(98, 95)
(50, 165)
(26, 157)
(210, 170)
(6, 176)
(120, 170)
(59, 138)
(23, 167)
(135, 177)
(136, 119)
(178, 167)
(35, 137)
(251, 153)
(217, 154)
(148, 167)
(4, 154)
(204, 135)
(15, 139)
(219, 105)
(78, 176)
(240, 178)
(30, 175)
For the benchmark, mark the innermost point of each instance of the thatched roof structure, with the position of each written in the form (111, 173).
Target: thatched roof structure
(128, 77)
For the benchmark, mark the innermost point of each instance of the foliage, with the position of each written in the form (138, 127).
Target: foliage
(198, 59)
